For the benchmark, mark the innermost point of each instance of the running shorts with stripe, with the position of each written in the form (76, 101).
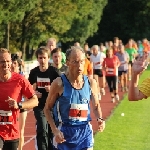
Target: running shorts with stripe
(77, 137)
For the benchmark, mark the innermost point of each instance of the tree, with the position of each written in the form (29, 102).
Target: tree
(85, 23)
(124, 19)
(13, 11)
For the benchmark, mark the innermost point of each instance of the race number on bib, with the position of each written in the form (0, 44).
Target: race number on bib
(42, 82)
(78, 112)
(5, 117)
(110, 71)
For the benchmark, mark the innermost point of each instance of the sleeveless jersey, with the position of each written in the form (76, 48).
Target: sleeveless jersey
(72, 107)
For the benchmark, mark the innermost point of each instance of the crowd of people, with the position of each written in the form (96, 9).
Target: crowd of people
(61, 87)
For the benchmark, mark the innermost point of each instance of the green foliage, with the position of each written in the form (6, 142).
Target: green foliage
(33, 22)
(86, 21)
(13, 11)
(125, 19)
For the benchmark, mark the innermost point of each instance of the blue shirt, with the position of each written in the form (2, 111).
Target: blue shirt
(73, 107)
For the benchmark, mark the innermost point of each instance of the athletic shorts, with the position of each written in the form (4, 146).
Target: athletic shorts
(98, 72)
(131, 63)
(77, 137)
(122, 72)
(9, 144)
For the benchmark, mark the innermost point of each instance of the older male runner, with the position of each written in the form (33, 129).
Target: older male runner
(69, 98)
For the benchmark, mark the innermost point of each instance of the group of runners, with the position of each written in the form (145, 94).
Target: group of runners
(60, 89)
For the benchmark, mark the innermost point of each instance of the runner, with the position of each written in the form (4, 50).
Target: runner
(13, 86)
(97, 59)
(15, 67)
(110, 65)
(87, 51)
(51, 44)
(132, 54)
(140, 48)
(69, 97)
(41, 77)
(88, 69)
(57, 58)
(116, 41)
(123, 57)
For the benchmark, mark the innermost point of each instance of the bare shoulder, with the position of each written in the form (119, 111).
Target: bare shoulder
(57, 82)
(56, 86)
(92, 82)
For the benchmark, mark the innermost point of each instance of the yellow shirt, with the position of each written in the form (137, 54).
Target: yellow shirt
(145, 87)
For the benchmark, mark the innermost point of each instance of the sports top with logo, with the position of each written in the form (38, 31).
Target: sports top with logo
(15, 87)
(72, 107)
(42, 79)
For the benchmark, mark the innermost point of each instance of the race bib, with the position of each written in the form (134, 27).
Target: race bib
(78, 112)
(5, 117)
(42, 82)
(110, 71)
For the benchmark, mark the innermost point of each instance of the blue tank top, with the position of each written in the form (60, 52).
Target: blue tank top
(73, 107)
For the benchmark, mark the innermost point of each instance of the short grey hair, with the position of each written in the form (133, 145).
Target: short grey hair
(73, 48)
(95, 46)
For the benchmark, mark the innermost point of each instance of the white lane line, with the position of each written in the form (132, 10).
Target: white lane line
(29, 140)
(33, 137)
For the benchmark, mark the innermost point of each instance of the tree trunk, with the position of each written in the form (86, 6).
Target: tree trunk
(7, 35)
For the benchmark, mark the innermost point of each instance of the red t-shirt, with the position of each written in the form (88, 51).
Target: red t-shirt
(111, 65)
(15, 88)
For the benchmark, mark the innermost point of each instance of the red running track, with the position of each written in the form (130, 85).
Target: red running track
(106, 105)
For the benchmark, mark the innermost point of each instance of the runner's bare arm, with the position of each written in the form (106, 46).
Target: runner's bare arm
(94, 97)
(55, 91)
(96, 105)
(30, 103)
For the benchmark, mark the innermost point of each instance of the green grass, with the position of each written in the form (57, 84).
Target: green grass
(128, 132)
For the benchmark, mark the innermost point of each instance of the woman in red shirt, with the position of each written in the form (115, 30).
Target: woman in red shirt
(110, 65)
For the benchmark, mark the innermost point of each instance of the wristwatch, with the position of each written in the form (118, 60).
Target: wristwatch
(100, 119)
(20, 105)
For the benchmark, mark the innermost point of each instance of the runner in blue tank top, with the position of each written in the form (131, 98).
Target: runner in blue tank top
(69, 98)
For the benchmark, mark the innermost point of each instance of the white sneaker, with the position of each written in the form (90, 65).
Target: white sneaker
(103, 91)
(122, 89)
(126, 89)
(113, 100)
(99, 96)
(117, 97)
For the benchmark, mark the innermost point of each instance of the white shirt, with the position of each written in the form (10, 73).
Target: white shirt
(98, 58)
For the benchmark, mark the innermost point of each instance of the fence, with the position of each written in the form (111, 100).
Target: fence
(30, 65)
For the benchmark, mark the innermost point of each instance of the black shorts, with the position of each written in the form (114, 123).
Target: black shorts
(9, 144)
(98, 72)
(22, 110)
(122, 72)
(131, 63)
